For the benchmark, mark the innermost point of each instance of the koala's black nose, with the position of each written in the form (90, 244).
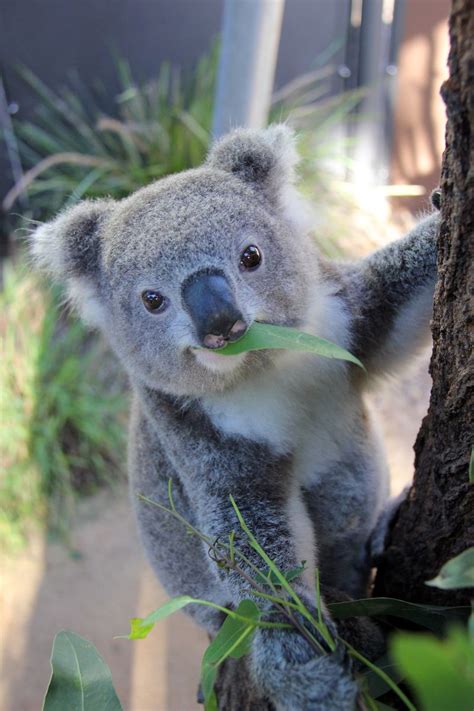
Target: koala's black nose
(210, 302)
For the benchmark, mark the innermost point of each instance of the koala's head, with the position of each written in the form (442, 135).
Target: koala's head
(187, 263)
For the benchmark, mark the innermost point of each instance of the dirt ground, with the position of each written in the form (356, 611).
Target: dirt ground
(95, 590)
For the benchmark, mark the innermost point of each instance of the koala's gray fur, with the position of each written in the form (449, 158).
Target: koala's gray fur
(288, 435)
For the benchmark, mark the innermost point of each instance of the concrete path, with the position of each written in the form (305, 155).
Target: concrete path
(46, 589)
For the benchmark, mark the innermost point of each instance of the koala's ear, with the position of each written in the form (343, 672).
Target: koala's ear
(68, 248)
(264, 158)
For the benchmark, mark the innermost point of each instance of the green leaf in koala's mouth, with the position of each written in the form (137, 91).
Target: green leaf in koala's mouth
(262, 336)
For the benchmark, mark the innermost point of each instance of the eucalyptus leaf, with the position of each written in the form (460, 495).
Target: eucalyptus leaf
(139, 629)
(380, 672)
(441, 672)
(372, 704)
(456, 573)
(141, 626)
(375, 684)
(228, 640)
(208, 679)
(432, 617)
(233, 640)
(80, 679)
(261, 336)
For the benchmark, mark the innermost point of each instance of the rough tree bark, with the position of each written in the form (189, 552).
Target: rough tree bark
(436, 522)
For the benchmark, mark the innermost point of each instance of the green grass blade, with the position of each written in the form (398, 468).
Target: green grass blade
(373, 667)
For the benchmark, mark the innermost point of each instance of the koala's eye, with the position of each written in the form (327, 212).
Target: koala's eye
(250, 258)
(153, 300)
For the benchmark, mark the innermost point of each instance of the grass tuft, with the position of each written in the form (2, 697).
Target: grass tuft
(62, 411)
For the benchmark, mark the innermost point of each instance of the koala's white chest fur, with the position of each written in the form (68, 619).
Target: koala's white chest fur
(291, 410)
(307, 407)
(302, 404)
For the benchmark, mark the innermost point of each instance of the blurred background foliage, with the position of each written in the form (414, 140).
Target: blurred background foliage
(74, 150)
(63, 410)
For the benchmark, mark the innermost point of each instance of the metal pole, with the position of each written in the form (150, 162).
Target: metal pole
(369, 131)
(396, 37)
(250, 39)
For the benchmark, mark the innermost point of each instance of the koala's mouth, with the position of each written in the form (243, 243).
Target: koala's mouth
(231, 333)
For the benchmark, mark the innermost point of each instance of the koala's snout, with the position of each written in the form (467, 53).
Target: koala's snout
(209, 300)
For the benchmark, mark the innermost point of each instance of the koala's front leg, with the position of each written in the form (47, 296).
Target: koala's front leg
(291, 672)
(283, 664)
(259, 482)
(296, 679)
(390, 294)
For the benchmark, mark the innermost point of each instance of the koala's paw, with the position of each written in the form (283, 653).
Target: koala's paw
(296, 678)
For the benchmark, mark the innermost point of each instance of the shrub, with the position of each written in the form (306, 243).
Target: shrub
(62, 411)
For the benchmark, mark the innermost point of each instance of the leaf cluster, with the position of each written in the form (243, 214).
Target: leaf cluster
(440, 672)
(234, 638)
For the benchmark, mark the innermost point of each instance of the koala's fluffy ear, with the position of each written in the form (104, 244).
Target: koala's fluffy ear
(264, 158)
(68, 248)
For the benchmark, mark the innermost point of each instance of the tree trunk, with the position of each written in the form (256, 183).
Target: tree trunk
(436, 522)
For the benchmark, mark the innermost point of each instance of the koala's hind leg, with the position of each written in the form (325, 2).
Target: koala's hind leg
(322, 683)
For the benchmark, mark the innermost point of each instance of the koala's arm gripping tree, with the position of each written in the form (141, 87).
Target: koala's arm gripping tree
(391, 294)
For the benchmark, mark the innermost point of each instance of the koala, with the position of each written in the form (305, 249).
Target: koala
(171, 274)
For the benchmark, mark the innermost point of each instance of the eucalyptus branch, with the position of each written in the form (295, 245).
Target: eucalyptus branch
(224, 555)
(282, 605)
(377, 670)
(178, 517)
